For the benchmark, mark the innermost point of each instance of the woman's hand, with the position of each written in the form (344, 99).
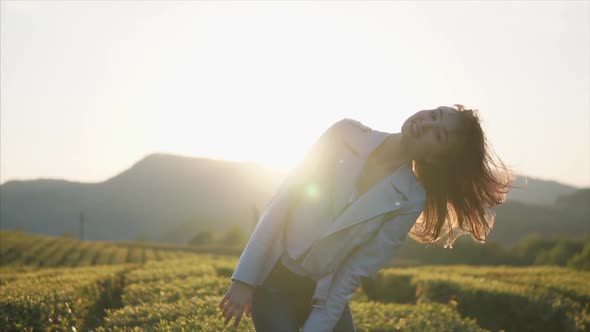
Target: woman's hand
(237, 300)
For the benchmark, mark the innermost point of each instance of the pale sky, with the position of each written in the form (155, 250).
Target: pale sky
(89, 88)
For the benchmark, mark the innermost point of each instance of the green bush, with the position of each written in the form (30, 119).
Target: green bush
(381, 317)
(56, 300)
(541, 299)
(581, 261)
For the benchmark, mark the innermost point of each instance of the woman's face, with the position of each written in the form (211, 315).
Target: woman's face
(429, 134)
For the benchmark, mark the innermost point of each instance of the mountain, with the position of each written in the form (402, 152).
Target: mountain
(170, 198)
(538, 192)
(576, 203)
(154, 196)
(515, 219)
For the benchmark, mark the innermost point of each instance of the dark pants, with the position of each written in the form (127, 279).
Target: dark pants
(283, 302)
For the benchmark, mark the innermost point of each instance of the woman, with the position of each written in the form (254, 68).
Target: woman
(435, 180)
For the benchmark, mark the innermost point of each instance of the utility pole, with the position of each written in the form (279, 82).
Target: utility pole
(81, 225)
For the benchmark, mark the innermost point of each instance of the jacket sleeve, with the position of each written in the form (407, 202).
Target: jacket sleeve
(268, 228)
(365, 261)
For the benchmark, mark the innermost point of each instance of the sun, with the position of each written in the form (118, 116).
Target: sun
(282, 158)
(280, 147)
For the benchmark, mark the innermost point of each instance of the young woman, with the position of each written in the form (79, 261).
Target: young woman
(344, 210)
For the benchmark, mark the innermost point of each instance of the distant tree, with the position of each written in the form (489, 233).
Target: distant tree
(581, 261)
(234, 236)
(559, 254)
(529, 247)
(202, 237)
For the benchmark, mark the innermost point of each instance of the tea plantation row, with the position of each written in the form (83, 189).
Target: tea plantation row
(174, 295)
(183, 295)
(21, 249)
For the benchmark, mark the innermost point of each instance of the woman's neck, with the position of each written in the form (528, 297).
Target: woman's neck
(391, 154)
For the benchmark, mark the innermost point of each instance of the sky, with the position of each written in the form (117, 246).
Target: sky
(89, 88)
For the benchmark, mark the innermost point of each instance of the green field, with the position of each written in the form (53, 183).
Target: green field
(182, 293)
(22, 249)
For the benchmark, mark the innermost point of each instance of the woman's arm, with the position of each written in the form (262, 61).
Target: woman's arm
(364, 261)
(271, 221)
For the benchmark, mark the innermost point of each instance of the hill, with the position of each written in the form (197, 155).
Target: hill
(537, 191)
(153, 197)
(576, 203)
(515, 220)
(170, 198)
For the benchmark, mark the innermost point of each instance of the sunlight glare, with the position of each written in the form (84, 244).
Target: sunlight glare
(311, 191)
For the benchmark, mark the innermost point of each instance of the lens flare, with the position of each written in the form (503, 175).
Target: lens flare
(312, 190)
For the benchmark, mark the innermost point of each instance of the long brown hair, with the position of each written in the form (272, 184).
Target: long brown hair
(463, 190)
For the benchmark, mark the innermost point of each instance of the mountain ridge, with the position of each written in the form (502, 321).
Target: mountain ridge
(160, 193)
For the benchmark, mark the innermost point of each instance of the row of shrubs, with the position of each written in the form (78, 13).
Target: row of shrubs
(183, 295)
(64, 299)
(509, 298)
(530, 250)
(22, 249)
